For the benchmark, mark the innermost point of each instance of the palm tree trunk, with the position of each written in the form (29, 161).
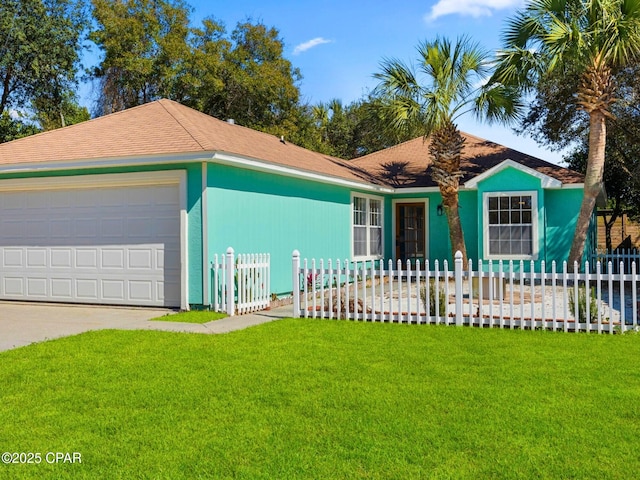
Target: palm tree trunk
(592, 184)
(456, 236)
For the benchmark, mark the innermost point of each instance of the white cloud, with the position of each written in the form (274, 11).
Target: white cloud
(303, 47)
(473, 8)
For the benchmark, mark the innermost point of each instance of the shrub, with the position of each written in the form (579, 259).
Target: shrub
(582, 305)
(442, 306)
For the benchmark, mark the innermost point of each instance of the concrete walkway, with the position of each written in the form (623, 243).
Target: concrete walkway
(25, 323)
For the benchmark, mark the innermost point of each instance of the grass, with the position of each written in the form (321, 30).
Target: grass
(191, 316)
(326, 399)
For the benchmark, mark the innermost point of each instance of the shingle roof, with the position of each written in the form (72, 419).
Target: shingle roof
(408, 164)
(165, 127)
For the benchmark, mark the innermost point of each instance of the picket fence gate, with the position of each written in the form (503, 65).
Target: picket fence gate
(240, 284)
(494, 294)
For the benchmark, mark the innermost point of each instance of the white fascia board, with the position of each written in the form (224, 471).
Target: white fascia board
(545, 180)
(198, 157)
(130, 161)
(269, 167)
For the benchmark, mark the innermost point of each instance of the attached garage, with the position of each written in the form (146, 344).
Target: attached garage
(105, 239)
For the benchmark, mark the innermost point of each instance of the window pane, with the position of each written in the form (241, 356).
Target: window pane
(359, 241)
(510, 225)
(375, 241)
(375, 208)
(359, 211)
(516, 233)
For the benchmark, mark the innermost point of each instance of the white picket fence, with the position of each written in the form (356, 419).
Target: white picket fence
(625, 256)
(493, 294)
(240, 284)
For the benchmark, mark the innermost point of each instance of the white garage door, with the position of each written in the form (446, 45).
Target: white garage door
(112, 245)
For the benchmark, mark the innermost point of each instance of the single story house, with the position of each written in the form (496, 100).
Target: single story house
(131, 208)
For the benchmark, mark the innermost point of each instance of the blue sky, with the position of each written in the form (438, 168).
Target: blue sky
(338, 45)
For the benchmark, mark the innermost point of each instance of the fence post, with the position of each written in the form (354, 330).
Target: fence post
(458, 280)
(295, 284)
(230, 282)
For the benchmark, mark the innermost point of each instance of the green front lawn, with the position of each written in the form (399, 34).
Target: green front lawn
(191, 316)
(326, 399)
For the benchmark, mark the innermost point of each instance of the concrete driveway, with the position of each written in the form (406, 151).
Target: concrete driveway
(25, 323)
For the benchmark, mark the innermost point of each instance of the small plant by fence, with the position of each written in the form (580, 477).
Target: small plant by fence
(240, 284)
(493, 294)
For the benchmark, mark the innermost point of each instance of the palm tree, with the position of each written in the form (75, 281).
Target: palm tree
(596, 36)
(451, 84)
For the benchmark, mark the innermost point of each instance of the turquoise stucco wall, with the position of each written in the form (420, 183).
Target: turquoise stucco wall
(255, 212)
(562, 208)
(437, 227)
(557, 213)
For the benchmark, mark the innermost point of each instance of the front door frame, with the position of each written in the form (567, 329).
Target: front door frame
(394, 221)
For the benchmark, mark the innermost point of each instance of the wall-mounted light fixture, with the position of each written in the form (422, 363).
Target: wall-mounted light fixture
(440, 210)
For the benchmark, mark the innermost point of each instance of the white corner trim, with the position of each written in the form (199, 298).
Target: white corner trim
(184, 243)
(545, 180)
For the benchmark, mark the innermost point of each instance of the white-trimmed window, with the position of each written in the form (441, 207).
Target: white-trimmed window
(511, 225)
(367, 226)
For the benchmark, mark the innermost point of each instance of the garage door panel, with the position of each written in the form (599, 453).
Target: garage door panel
(117, 245)
(87, 289)
(141, 290)
(112, 258)
(36, 257)
(113, 290)
(37, 287)
(13, 257)
(61, 258)
(62, 288)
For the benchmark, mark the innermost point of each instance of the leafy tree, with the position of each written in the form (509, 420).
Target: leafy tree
(52, 113)
(14, 128)
(452, 73)
(144, 43)
(40, 44)
(254, 83)
(590, 38)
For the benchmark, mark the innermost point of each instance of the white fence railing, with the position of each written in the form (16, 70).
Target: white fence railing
(626, 256)
(493, 294)
(240, 284)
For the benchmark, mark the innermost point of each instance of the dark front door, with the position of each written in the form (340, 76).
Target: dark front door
(410, 232)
